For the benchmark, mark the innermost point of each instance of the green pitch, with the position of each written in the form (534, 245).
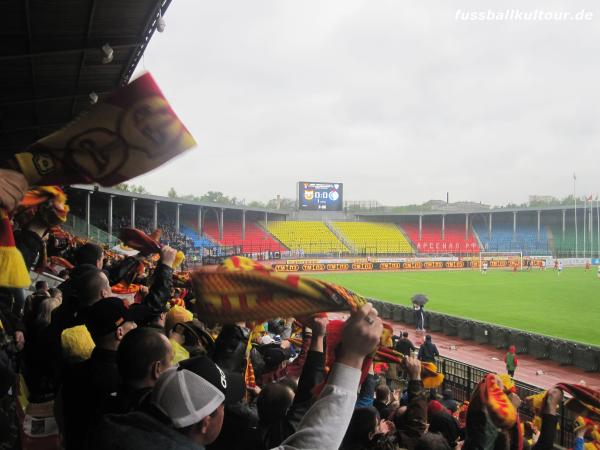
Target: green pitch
(565, 306)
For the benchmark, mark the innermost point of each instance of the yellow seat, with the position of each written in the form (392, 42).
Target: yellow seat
(309, 237)
(374, 237)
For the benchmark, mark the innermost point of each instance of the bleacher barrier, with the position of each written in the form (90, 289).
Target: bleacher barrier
(499, 337)
(519, 339)
(450, 326)
(539, 347)
(465, 331)
(561, 352)
(462, 379)
(586, 357)
(434, 322)
(481, 333)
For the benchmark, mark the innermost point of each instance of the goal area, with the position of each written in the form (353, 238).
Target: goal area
(501, 260)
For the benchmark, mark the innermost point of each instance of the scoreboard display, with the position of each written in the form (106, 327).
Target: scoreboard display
(320, 196)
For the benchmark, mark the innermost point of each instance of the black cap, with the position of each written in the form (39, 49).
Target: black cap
(230, 383)
(106, 316)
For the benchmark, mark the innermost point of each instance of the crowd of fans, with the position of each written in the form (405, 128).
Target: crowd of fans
(110, 371)
(169, 235)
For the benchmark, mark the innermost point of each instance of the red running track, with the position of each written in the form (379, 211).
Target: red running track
(490, 358)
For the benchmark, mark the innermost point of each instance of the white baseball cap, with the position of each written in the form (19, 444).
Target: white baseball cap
(186, 398)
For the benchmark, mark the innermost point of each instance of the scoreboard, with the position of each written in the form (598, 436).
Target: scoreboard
(318, 196)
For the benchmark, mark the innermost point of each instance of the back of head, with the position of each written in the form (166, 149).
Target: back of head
(362, 426)
(139, 350)
(44, 312)
(88, 254)
(405, 334)
(382, 393)
(41, 286)
(428, 338)
(432, 441)
(230, 346)
(88, 286)
(273, 402)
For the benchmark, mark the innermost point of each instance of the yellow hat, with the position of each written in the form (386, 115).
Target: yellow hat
(77, 343)
(176, 315)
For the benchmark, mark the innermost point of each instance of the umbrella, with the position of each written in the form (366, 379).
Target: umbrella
(419, 299)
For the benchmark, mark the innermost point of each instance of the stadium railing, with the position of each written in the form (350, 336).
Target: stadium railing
(78, 227)
(462, 379)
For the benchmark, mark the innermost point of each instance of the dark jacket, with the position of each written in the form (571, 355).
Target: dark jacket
(405, 346)
(160, 291)
(88, 392)
(412, 425)
(138, 431)
(427, 352)
(270, 435)
(130, 399)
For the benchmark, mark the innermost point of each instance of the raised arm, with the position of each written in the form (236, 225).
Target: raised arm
(325, 423)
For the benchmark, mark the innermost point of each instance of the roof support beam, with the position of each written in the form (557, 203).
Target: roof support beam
(68, 51)
(82, 61)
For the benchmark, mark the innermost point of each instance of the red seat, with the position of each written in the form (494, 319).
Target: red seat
(257, 240)
(431, 238)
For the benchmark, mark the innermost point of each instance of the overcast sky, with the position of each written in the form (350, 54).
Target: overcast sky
(398, 100)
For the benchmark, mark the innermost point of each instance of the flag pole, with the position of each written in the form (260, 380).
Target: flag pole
(575, 213)
(584, 222)
(591, 225)
(598, 223)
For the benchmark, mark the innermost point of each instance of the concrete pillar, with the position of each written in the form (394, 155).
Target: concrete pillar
(420, 227)
(110, 218)
(266, 219)
(132, 223)
(443, 227)
(490, 227)
(564, 211)
(243, 224)
(466, 227)
(88, 219)
(514, 225)
(155, 215)
(221, 225)
(539, 217)
(200, 221)
(177, 208)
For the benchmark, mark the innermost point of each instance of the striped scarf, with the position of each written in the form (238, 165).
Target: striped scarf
(242, 289)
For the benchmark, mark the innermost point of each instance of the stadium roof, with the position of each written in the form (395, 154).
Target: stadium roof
(532, 209)
(51, 59)
(150, 197)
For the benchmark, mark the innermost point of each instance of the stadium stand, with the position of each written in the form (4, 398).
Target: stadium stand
(565, 246)
(199, 241)
(431, 239)
(374, 237)
(257, 240)
(308, 237)
(502, 240)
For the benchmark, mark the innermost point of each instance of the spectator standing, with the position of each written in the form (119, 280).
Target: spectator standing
(90, 387)
(405, 345)
(511, 360)
(428, 351)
